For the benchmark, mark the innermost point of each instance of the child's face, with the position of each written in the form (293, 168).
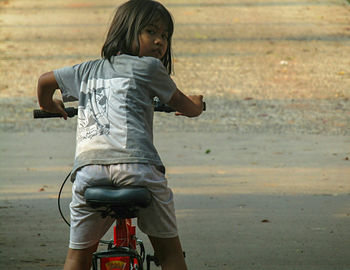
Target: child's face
(153, 40)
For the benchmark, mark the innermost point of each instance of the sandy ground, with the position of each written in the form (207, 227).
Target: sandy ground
(261, 180)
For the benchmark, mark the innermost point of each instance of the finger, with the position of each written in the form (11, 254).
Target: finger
(63, 112)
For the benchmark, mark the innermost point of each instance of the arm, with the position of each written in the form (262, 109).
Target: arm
(190, 106)
(47, 86)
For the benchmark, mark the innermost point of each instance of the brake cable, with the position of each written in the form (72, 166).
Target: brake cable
(59, 198)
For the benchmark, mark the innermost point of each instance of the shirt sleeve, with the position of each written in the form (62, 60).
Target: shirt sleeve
(69, 80)
(158, 80)
(164, 87)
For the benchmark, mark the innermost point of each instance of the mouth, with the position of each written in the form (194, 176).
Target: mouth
(158, 53)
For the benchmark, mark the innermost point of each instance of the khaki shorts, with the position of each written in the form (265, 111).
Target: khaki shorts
(87, 225)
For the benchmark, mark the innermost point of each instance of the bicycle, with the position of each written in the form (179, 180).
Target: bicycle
(121, 204)
(125, 251)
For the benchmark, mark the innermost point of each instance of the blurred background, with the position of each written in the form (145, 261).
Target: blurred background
(283, 65)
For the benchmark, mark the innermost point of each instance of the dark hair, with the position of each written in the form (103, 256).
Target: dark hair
(128, 22)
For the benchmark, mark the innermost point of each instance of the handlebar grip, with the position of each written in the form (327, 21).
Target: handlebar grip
(165, 108)
(71, 111)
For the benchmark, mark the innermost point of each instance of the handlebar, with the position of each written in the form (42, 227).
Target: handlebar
(71, 111)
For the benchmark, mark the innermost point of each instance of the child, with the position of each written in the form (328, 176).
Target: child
(115, 120)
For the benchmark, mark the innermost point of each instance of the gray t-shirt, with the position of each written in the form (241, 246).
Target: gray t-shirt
(115, 112)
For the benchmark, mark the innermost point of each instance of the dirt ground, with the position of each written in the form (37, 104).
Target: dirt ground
(261, 180)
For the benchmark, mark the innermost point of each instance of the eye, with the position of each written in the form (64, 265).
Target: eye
(165, 36)
(150, 30)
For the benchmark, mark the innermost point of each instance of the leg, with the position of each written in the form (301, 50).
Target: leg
(79, 259)
(169, 252)
(87, 225)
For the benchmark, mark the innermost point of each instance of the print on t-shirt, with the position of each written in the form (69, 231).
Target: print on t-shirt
(93, 113)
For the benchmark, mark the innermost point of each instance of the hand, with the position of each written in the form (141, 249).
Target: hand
(56, 106)
(197, 101)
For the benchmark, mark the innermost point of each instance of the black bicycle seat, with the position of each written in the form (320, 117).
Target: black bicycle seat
(118, 197)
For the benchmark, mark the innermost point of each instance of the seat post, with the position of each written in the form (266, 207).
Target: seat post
(124, 233)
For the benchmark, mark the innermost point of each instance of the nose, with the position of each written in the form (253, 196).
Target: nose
(159, 40)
